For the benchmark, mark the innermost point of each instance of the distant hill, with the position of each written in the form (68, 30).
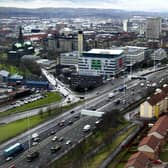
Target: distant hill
(71, 12)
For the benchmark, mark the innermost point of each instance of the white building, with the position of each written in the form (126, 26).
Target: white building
(125, 25)
(159, 54)
(133, 54)
(70, 58)
(153, 28)
(105, 62)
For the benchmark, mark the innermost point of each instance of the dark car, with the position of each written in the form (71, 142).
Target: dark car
(60, 139)
(31, 156)
(77, 116)
(72, 111)
(55, 148)
(116, 102)
(70, 122)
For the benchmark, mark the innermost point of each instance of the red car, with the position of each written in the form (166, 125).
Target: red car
(157, 162)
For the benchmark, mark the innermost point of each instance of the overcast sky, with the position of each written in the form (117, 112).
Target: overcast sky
(143, 5)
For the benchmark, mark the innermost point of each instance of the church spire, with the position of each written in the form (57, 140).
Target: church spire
(20, 38)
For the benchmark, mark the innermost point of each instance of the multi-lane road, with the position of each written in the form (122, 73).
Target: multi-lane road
(74, 132)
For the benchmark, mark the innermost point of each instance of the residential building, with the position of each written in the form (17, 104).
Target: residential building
(155, 105)
(160, 129)
(138, 160)
(150, 146)
(105, 62)
(153, 28)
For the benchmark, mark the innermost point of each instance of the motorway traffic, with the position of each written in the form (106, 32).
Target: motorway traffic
(73, 130)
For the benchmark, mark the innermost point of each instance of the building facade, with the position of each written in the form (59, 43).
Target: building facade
(155, 105)
(70, 58)
(103, 62)
(153, 29)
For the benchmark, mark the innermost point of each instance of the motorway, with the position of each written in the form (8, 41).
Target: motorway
(74, 132)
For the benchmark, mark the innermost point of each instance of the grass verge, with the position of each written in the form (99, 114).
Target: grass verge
(15, 128)
(105, 152)
(76, 157)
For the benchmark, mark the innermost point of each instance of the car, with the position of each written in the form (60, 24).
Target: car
(68, 142)
(72, 111)
(52, 132)
(12, 166)
(61, 123)
(32, 156)
(97, 122)
(116, 102)
(34, 143)
(54, 149)
(158, 162)
(70, 122)
(60, 139)
(77, 116)
(86, 128)
(9, 158)
(54, 138)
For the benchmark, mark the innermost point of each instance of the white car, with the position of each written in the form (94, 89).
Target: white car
(68, 142)
(86, 128)
(54, 138)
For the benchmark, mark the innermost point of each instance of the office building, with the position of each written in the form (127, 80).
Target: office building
(153, 29)
(70, 58)
(105, 62)
(133, 54)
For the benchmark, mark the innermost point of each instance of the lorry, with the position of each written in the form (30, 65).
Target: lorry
(13, 150)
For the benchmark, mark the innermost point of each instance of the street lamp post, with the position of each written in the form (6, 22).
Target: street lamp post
(85, 97)
(28, 124)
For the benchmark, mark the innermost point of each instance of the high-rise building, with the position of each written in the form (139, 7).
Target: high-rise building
(153, 28)
(80, 42)
(125, 25)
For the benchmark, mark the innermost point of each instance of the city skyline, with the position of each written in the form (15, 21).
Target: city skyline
(132, 5)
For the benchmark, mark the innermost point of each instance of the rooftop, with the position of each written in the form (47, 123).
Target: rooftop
(106, 51)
